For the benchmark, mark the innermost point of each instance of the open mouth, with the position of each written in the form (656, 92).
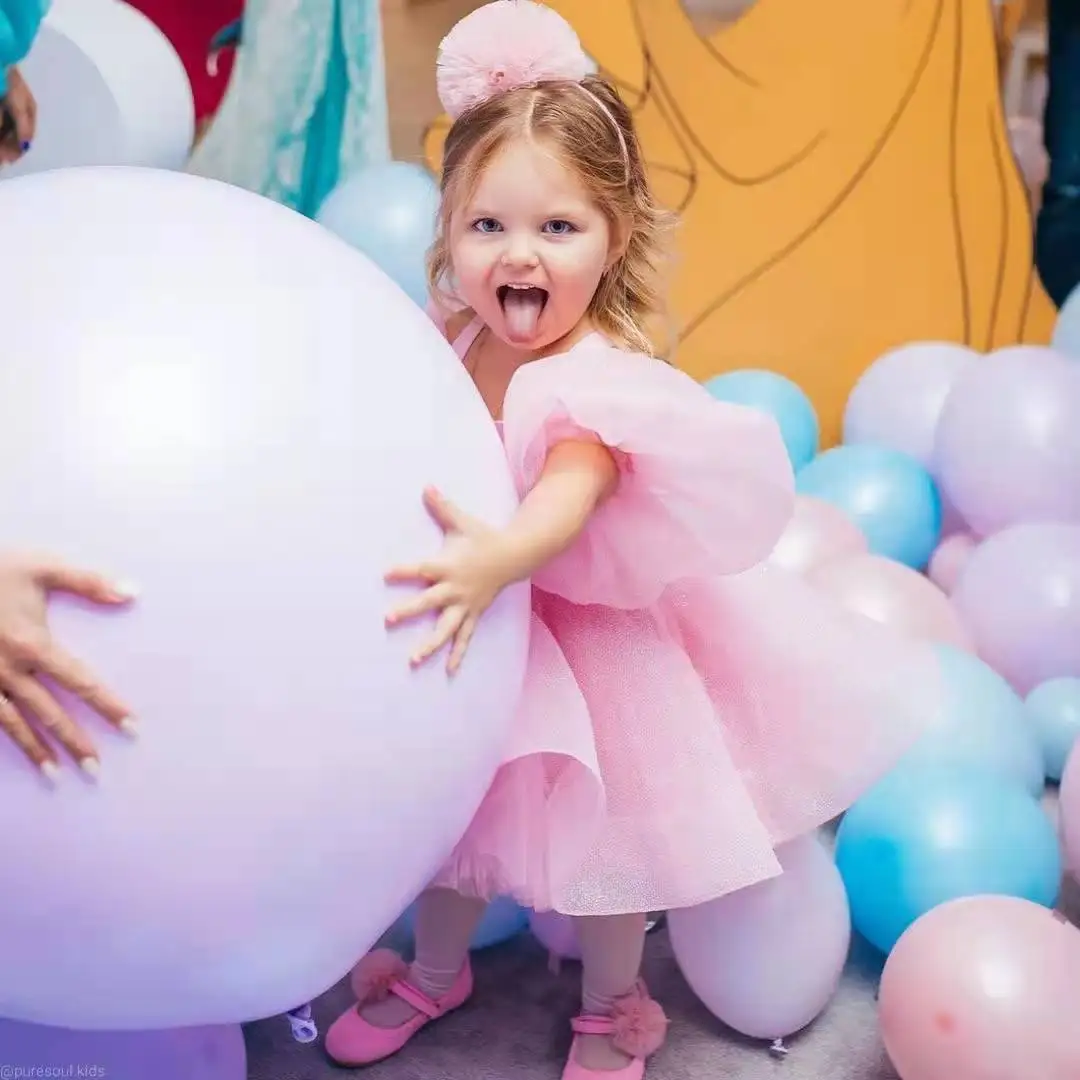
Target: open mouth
(522, 306)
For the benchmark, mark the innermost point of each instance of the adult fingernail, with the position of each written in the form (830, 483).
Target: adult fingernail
(24, 145)
(91, 766)
(129, 726)
(125, 590)
(50, 770)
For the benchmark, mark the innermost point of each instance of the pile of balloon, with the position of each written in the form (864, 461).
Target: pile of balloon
(951, 512)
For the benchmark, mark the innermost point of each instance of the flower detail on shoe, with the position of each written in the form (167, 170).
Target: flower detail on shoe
(375, 975)
(638, 1024)
(358, 1038)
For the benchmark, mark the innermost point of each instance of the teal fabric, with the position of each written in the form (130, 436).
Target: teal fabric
(19, 22)
(306, 104)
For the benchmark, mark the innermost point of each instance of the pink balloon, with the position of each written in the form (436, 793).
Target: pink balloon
(817, 532)
(984, 988)
(557, 933)
(1019, 599)
(893, 594)
(767, 959)
(949, 559)
(898, 399)
(239, 412)
(1069, 810)
(1007, 448)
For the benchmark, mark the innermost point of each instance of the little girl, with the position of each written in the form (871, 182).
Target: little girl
(686, 709)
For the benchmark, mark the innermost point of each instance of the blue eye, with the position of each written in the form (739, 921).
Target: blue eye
(486, 225)
(559, 227)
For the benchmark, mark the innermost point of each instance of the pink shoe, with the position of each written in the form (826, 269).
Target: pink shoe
(352, 1041)
(637, 1026)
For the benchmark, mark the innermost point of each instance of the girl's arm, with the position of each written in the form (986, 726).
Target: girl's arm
(576, 479)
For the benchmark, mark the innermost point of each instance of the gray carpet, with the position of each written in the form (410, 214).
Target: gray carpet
(516, 1028)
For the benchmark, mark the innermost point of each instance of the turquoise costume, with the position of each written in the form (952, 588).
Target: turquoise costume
(19, 22)
(306, 104)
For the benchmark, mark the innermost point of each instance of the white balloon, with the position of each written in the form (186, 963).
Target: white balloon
(898, 399)
(110, 90)
(767, 959)
(214, 396)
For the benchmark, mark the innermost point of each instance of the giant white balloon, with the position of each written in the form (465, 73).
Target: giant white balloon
(215, 397)
(110, 90)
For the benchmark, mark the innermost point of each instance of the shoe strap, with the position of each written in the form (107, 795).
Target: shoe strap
(416, 998)
(592, 1025)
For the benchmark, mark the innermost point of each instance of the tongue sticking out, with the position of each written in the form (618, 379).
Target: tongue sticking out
(522, 308)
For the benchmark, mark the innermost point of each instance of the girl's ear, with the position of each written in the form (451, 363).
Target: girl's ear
(620, 241)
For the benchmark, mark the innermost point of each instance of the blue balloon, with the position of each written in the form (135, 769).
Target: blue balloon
(981, 721)
(503, 919)
(888, 494)
(781, 399)
(927, 834)
(1053, 710)
(388, 212)
(1066, 337)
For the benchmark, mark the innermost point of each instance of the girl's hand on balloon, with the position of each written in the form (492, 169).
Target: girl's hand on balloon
(28, 654)
(462, 581)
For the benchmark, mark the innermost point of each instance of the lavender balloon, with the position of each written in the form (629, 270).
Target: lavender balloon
(1007, 448)
(767, 959)
(1019, 598)
(557, 933)
(200, 1053)
(215, 397)
(898, 399)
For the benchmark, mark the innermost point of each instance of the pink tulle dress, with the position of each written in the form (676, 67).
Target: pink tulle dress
(686, 709)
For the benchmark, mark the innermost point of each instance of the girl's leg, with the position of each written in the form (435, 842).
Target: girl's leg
(611, 950)
(445, 923)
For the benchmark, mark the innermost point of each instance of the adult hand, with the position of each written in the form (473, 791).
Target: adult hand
(21, 106)
(29, 655)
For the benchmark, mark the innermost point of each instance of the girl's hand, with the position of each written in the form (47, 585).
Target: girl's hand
(28, 654)
(461, 582)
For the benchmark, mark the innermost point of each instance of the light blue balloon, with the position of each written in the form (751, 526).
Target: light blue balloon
(778, 396)
(388, 212)
(1053, 710)
(981, 721)
(1066, 337)
(927, 834)
(888, 494)
(503, 919)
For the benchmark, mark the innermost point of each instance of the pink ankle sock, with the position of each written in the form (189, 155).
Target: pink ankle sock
(611, 951)
(445, 924)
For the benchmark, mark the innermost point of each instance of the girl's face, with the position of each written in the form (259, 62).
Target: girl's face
(529, 248)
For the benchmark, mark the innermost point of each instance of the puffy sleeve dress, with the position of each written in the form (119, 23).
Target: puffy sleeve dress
(686, 709)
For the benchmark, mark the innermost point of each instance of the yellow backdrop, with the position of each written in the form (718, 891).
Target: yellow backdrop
(844, 177)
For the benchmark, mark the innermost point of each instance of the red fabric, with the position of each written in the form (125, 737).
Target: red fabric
(189, 25)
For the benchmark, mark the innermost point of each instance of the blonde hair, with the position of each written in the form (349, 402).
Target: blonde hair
(592, 132)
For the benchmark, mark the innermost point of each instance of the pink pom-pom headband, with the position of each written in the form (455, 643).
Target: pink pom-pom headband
(507, 45)
(504, 46)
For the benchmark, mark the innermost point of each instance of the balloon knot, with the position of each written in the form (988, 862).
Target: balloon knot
(304, 1029)
(778, 1049)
